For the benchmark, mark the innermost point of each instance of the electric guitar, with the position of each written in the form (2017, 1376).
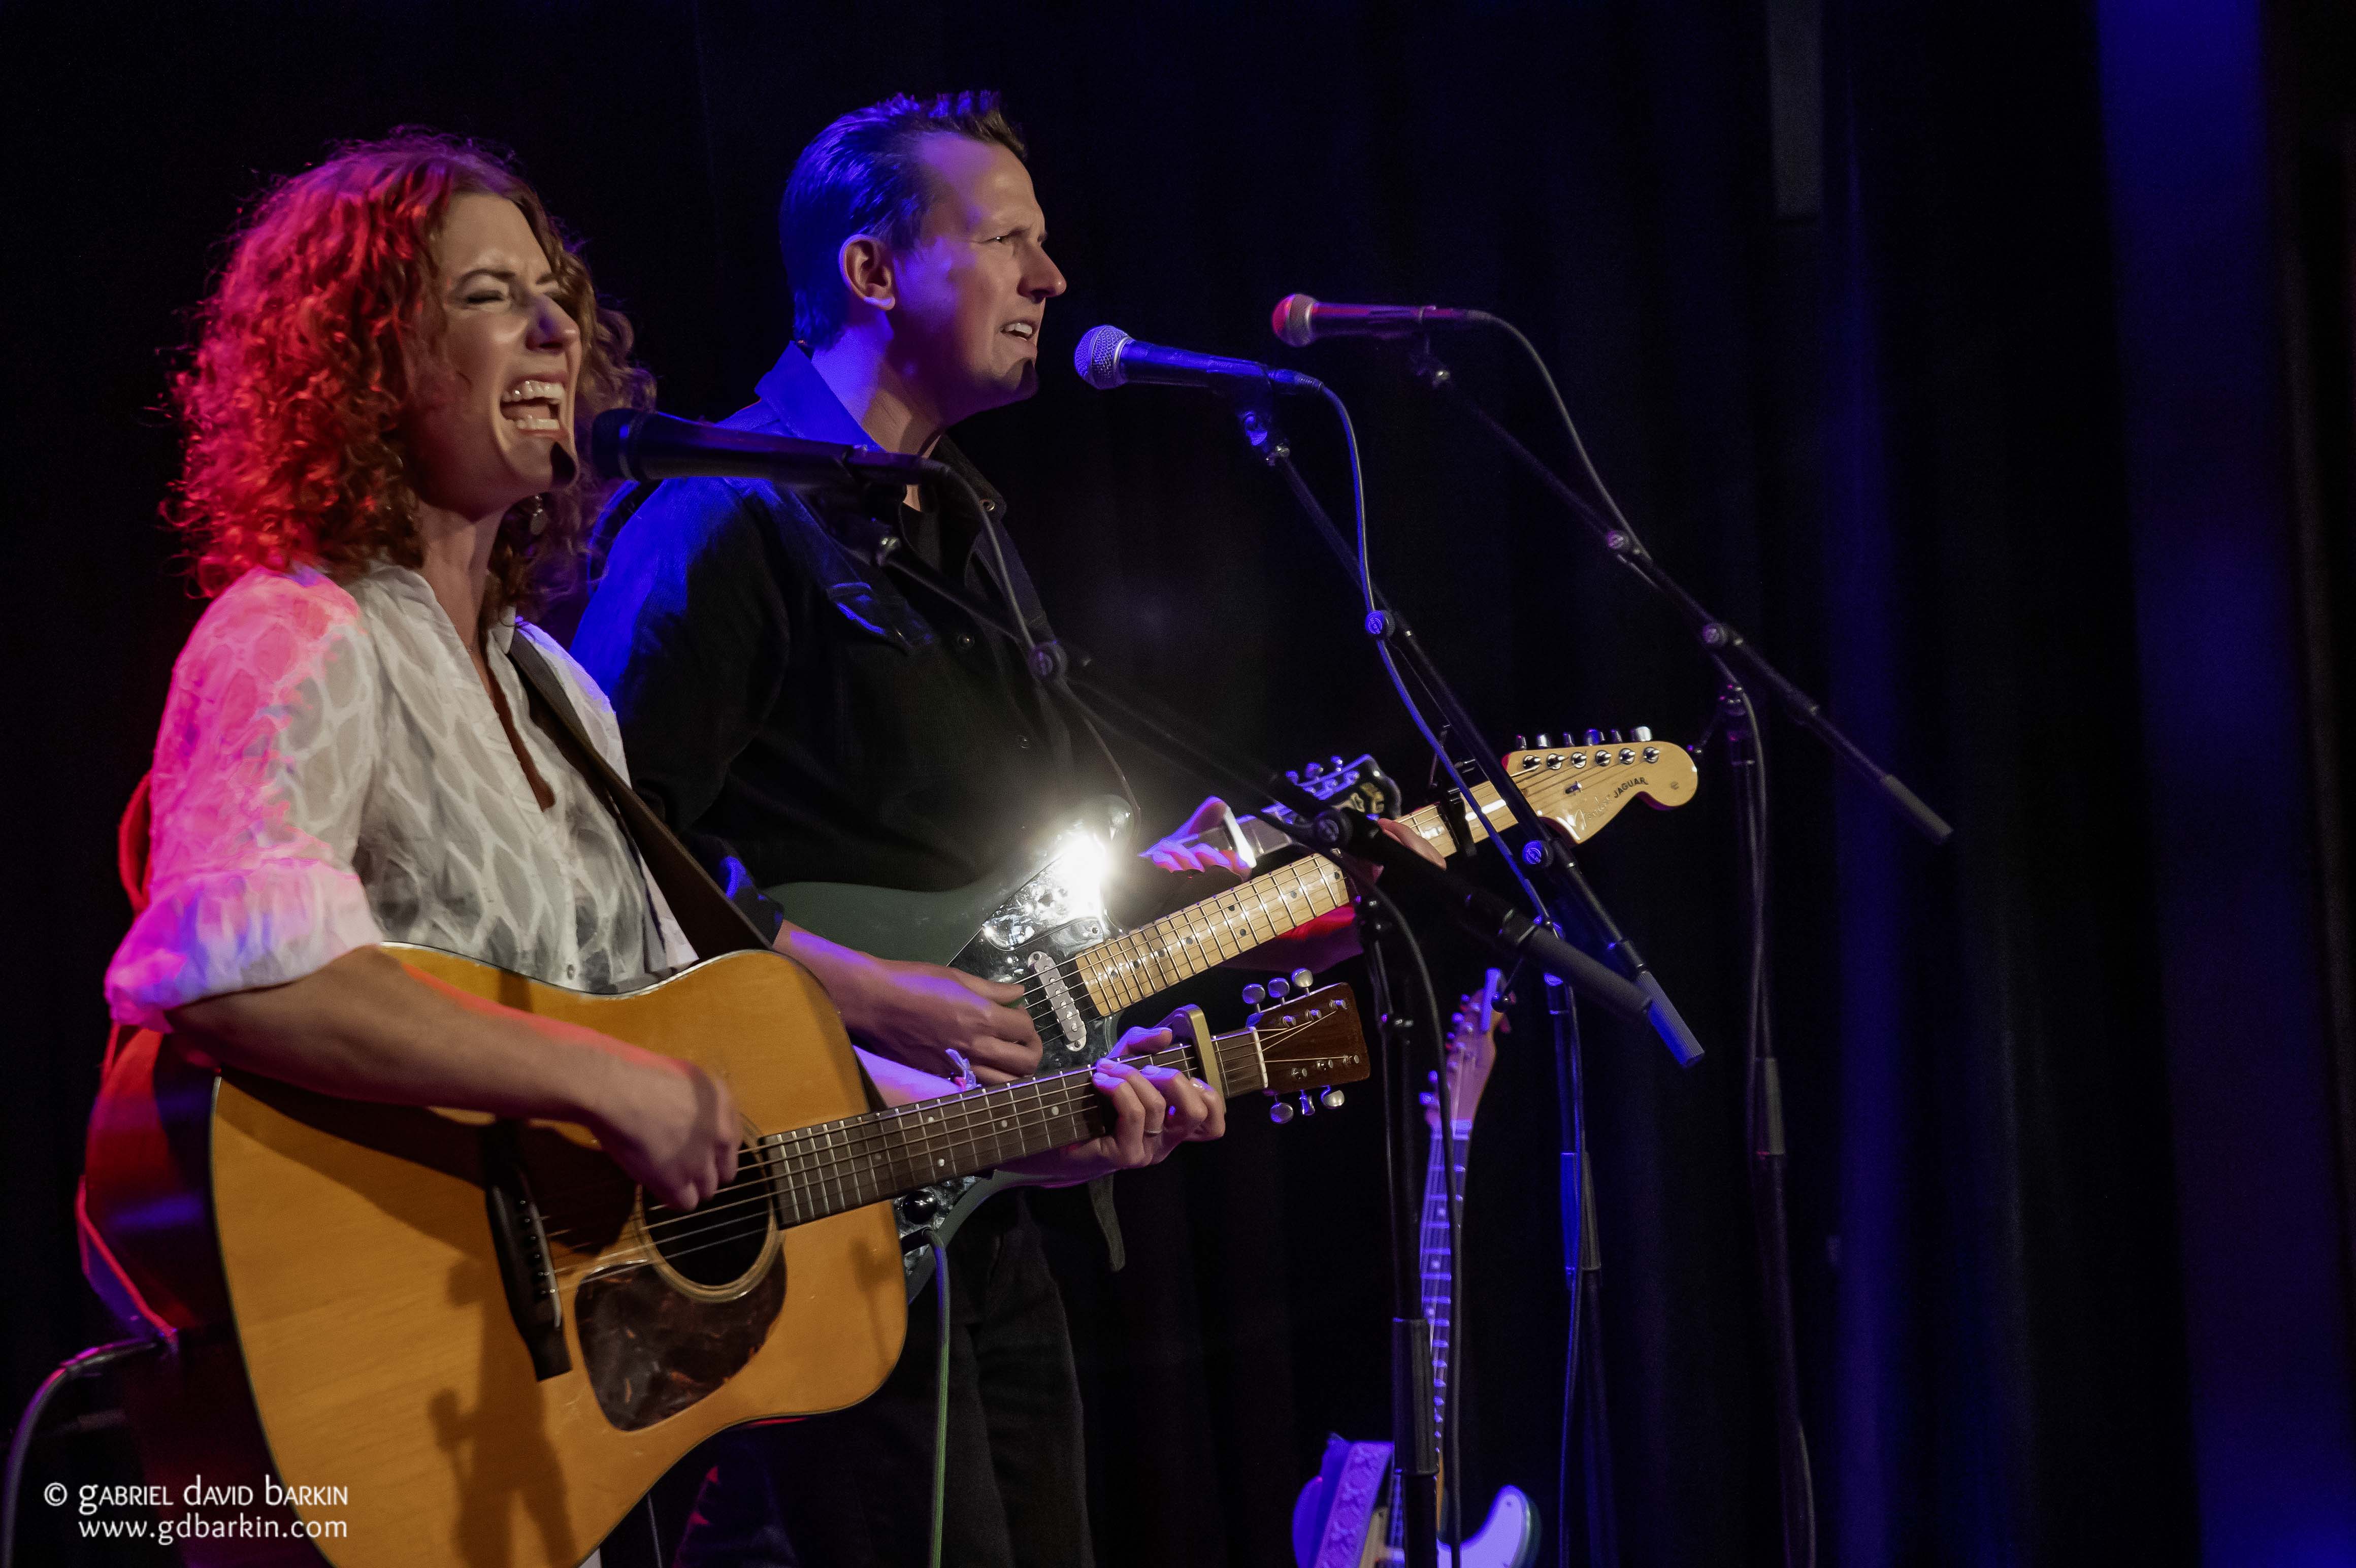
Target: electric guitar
(1343, 1518)
(1041, 921)
(475, 1341)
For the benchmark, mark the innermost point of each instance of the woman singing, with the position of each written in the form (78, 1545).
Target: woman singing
(381, 466)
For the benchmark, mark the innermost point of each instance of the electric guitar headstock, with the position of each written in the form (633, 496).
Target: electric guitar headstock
(1471, 1051)
(1581, 785)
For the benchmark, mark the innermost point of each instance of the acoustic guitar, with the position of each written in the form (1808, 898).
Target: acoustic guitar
(457, 1339)
(1348, 1516)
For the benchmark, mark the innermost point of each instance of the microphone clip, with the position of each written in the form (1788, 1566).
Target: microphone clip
(1049, 663)
(1254, 405)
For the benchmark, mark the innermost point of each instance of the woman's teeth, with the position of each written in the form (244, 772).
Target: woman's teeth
(535, 405)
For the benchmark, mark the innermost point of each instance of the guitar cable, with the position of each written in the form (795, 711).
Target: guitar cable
(940, 1397)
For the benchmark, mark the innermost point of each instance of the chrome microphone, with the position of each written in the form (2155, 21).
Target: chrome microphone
(1301, 320)
(1106, 358)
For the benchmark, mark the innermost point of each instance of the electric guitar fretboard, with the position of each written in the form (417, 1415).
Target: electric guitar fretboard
(1176, 947)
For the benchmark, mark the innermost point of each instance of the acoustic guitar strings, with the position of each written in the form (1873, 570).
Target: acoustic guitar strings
(1075, 1111)
(809, 1170)
(1076, 1105)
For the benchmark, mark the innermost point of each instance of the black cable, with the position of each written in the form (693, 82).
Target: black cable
(1375, 610)
(1398, 1100)
(1767, 1210)
(1762, 1130)
(20, 1446)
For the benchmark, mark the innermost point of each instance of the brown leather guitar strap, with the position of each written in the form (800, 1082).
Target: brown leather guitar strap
(711, 920)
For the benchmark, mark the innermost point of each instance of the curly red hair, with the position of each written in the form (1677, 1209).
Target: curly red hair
(307, 352)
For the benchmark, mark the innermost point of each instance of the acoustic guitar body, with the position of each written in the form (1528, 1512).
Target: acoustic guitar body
(352, 1320)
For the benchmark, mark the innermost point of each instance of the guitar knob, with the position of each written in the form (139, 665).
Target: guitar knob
(1303, 980)
(1642, 732)
(1331, 1099)
(1615, 737)
(1595, 737)
(1293, 774)
(1308, 1106)
(1316, 770)
(1544, 741)
(1255, 993)
(1281, 1113)
(1278, 990)
(1521, 743)
(1336, 763)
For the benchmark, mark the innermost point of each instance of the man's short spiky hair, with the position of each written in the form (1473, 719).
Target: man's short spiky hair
(861, 175)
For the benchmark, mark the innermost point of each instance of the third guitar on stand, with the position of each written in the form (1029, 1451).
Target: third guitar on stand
(1349, 1516)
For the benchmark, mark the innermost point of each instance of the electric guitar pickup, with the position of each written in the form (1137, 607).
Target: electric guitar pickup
(1041, 921)
(1342, 1518)
(474, 1341)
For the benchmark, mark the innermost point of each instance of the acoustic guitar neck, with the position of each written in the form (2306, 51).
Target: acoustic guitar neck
(834, 1166)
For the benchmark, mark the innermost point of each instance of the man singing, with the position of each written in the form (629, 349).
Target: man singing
(799, 718)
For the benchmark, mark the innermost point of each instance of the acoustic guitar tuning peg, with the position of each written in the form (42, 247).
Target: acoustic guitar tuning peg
(1615, 737)
(1278, 990)
(1642, 732)
(1595, 737)
(1293, 774)
(1331, 1099)
(1316, 770)
(1255, 993)
(1308, 1106)
(1521, 743)
(1303, 980)
(1336, 764)
(1281, 1113)
(1544, 740)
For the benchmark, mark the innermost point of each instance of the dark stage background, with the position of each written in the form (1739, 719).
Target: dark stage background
(1989, 363)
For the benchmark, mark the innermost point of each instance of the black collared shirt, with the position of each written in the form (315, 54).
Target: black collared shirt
(794, 713)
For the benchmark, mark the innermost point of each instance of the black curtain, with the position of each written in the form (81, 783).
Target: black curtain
(1859, 391)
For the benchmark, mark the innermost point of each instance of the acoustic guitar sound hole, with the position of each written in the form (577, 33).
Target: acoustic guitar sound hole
(718, 1242)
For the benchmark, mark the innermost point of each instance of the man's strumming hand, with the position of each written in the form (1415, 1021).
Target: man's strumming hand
(915, 1013)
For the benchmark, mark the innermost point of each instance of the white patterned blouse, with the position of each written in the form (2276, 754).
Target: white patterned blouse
(330, 773)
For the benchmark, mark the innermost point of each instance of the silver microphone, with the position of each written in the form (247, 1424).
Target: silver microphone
(1301, 320)
(1108, 357)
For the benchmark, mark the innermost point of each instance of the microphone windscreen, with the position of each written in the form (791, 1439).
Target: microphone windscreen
(1097, 357)
(1290, 320)
(609, 443)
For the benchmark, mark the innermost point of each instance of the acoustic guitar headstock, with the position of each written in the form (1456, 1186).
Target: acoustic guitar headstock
(1310, 1042)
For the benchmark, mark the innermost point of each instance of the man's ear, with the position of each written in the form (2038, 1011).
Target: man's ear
(867, 270)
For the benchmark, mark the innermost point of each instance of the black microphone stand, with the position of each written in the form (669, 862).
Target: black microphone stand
(1547, 855)
(1764, 1099)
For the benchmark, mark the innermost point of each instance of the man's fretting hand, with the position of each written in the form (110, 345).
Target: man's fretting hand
(1155, 1108)
(1175, 853)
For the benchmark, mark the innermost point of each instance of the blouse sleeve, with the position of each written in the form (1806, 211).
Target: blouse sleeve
(269, 740)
